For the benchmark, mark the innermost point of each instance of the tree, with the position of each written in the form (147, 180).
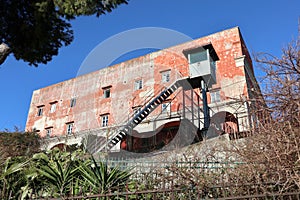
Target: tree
(16, 143)
(274, 147)
(35, 30)
(282, 82)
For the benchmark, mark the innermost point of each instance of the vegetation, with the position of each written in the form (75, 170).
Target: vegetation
(101, 179)
(58, 174)
(35, 30)
(274, 147)
(17, 143)
(12, 178)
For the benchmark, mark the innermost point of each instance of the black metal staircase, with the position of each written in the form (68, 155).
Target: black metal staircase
(138, 118)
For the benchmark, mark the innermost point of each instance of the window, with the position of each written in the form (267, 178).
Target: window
(40, 110)
(138, 84)
(52, 107)
(35, 130)
(104, 120)
(197, 57)
(166, 107)
(106, 92)
(73, 102)
(165, 76)
(70, 126)
(215, 96)
(49, 131)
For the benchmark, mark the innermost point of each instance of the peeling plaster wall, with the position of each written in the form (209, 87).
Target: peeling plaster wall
(88, 89)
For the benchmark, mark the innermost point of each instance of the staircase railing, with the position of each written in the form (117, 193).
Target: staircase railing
(118, 135)
(130, 120)
(114, 129)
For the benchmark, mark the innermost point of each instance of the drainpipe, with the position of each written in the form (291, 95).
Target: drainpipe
(205, 106)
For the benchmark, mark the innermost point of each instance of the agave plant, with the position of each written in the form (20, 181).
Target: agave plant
(99, 178)
(57, 171)
(58, 174)
(12, 178)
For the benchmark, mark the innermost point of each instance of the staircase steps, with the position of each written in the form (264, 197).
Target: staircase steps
(137, 119)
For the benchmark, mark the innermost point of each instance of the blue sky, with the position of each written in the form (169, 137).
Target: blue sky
(266, 25)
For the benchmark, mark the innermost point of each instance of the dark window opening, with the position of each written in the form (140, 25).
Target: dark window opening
(73, 102)
(40, 110)
(106, 92)
(70, 128)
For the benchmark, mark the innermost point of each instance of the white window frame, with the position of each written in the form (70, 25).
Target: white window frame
(53, 107)
(104, 120)
(70, 127)
(166, 76)
(49, 131)
(138, 84)
(215, 96)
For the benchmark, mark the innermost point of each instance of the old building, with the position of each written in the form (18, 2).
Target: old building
(153, 101)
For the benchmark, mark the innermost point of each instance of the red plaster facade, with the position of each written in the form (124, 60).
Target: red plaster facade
(92, 106)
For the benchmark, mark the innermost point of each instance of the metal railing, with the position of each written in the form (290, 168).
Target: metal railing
(173, 192)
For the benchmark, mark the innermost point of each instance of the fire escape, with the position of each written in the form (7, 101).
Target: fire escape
(202, 75)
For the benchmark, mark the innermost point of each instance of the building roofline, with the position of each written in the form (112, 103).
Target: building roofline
(207, 45)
